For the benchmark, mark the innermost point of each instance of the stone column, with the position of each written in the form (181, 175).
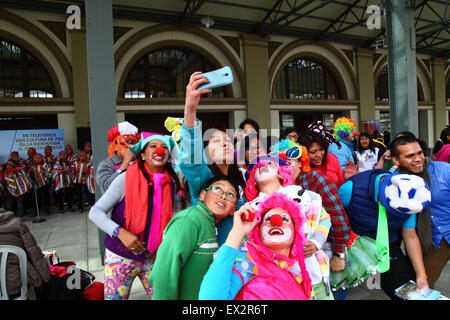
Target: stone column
(80, 77)
(366, 84)
(257, 78)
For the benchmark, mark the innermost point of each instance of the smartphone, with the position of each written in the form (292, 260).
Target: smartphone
(217, 78)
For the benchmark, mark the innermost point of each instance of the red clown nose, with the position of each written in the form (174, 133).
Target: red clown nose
(160, 151)
(276, 220)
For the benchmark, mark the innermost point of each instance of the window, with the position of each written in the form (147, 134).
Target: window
(165, 73)
(22, 75)
(382, 88)
(305, 78)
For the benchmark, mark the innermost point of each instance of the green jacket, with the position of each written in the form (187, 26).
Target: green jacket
(183, 258)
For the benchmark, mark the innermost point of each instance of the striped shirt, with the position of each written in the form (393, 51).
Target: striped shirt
(339, 232)
(90, 179)
(79, 172)
(17, 182)
(61, 175)
(42, 174)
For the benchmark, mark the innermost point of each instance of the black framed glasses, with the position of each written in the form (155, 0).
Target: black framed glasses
(219, 192)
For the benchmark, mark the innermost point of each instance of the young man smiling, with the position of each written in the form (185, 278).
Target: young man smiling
(189, 242)
(433, 224)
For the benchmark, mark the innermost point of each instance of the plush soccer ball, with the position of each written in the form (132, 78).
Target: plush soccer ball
(404, 194)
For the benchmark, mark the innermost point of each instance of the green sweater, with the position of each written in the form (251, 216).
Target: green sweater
(183, 258)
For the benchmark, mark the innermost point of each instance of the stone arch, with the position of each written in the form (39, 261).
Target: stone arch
(326, 54)
(38, 43)
(166, 35)
(423, 77)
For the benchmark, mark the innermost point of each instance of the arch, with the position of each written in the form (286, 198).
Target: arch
(327, 55)
(26, 79)
(306, 60)
(63, 80)
(193, 38)
(423, 77)
(165, 44)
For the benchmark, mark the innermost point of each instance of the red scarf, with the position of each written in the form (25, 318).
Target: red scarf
(136, 204)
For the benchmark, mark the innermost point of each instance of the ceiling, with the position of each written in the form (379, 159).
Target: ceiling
(342, 21)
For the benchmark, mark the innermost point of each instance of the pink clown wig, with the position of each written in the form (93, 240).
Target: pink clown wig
(251, 190)
(293, 208)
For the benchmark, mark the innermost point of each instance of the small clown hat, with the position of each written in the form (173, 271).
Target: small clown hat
(146, 137)
(122, 128)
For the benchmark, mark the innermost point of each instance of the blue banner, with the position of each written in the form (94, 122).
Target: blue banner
(21, 140)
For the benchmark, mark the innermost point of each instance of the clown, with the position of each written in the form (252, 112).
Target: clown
(133, 213)
(271, 264)
(344, 131)
(121, 136)
(270, 175)
(295, 155)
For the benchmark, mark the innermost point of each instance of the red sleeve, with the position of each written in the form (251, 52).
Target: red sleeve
(334, 167)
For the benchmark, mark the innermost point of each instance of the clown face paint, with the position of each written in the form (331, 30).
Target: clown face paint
(266, 170)
(277, 229)
(154, 157)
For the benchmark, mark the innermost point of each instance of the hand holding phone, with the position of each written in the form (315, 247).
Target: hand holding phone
(217, 78)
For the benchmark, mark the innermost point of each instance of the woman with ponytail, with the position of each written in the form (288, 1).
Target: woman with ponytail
(133, 212)
(441, 149)
(200, 163)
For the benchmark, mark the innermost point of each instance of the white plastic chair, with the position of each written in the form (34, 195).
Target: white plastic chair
(24, 292)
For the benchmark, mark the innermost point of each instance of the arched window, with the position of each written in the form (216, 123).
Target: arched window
(165, 73)
(306, 78)
(22, 75)
(382, 88)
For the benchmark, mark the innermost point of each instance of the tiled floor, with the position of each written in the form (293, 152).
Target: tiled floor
(75, 238)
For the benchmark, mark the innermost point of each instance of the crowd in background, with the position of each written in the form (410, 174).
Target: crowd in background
(65, 180)
(206, 215)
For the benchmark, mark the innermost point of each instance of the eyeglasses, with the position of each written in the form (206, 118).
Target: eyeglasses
(292, 136)
(294, 152)
(218, 191)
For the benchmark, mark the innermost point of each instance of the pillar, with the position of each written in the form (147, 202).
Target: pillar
(256, 62)
(402, 72)
(366, 84)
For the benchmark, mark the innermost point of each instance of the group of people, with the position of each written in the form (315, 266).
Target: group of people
(66, 179)
(301, 217)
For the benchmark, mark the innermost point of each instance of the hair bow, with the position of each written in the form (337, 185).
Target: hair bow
(318, 127)
(174, 125)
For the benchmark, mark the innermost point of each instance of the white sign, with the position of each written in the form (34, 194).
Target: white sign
(21, 140)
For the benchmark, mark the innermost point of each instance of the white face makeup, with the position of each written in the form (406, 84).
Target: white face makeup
(277, 235)
(266, 171)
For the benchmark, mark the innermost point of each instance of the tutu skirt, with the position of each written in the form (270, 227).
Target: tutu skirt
(363, 258)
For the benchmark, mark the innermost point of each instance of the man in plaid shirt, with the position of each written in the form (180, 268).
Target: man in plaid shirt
(339, 232)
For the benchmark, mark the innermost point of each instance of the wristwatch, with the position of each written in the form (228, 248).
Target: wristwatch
(116, 232)
(339, 255)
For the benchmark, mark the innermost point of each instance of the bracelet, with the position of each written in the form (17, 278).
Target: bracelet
(421, 273)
